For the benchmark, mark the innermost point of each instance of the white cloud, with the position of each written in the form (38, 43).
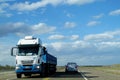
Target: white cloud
(69, 24)
(115, 12)
(109, 46)
(5, 57)
(20, 29)
(43, 3)
(102, 37)
(8, 15)
(74, 37)
(78, 2)
(98, 16)
(3, 11)
(3, 6)
(9, 28)
(62, 37)
(57, 46)
(98, 37)
(69, 15)
(78, 51)
(33, 6)
(26, 6)
(69, 47)
(42, 28)
(81, 44)
(93, 23)
(56, 37)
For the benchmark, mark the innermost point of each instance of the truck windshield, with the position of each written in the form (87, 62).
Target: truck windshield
(28, 51)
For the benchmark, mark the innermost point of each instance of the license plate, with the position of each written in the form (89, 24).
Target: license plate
(27, 67)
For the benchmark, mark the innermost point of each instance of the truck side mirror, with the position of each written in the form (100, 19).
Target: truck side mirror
(40, 55)
(14, 51)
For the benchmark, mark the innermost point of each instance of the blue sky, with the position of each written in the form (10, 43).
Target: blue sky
(82, 31)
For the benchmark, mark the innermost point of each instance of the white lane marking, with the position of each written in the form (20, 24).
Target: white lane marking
(82, 75)
(12, 79)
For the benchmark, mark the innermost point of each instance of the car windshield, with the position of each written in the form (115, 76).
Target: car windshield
(28, 51)
(71, 64)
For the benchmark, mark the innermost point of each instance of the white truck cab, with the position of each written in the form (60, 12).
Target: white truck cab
(32, 58)
(27, 55)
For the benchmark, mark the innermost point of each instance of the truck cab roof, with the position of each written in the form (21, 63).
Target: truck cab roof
(29, 40)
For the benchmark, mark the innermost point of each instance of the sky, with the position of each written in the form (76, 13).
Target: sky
(83, 31)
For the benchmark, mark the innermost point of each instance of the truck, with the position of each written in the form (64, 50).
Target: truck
(32, 58)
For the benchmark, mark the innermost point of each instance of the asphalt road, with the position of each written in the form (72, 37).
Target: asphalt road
(85, 73)
(59, 75)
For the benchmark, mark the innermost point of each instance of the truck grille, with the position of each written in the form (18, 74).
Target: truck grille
(27, 67)
(27, 62)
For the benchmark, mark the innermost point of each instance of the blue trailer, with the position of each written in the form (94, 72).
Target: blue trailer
(49, 63)
(33, 58)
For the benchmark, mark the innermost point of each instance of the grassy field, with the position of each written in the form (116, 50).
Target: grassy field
(6, 68)
(115, 69)
(59, 68)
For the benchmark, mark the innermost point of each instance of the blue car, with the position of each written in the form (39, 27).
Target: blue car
(71, 67)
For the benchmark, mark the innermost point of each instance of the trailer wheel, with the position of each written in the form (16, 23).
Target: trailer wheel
(19, 75)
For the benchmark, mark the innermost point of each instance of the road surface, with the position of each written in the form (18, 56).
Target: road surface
(85, 73)
(92, 73)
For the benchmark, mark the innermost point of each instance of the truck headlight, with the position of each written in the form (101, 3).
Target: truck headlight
(17, 67)
(37, 67)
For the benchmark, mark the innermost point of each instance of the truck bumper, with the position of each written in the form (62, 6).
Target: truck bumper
(33, 69)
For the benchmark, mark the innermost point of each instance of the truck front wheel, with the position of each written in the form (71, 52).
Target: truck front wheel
(43, 70)
(19, 75)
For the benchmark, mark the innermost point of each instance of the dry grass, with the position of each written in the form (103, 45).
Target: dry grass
(115, 69)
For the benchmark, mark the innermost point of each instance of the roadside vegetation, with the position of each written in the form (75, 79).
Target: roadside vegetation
(115, 69)
(6, 68)
(59, 68)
